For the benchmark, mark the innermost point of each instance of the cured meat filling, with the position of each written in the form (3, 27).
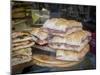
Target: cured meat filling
(58, 31)
(68, 45)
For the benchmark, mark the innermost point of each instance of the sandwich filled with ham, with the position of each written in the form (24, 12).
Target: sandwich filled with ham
(21, 40)
(21, 56)
(39, 36)
(72, 55)
(75, 41)
(60, 26)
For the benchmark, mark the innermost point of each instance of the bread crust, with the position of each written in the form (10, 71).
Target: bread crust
(16, 34)
(61, 24)
(24, 51)
(16, 40)
(21, 56)
(20, 43)
(16, 61)
(23, 46)
(39, 33)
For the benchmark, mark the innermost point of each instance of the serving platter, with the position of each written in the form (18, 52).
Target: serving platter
(88, 63)
(50, 61)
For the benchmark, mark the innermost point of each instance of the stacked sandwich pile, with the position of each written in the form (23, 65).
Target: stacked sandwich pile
(66, 37)
(21, 48)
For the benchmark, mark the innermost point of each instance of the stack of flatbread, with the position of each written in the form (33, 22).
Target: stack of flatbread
(21, 48)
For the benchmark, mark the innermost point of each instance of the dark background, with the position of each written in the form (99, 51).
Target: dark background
(84, 13)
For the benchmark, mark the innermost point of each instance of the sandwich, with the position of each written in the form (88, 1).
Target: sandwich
(21, 48)
(20, 36)
(16, 34)
(72, 55)
(39, 36)
(60, 26)
(21, 40)
(75, 41)
(21, 56)
(18, 46)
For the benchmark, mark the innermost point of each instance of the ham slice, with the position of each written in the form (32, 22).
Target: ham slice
(64, 44)
(42, 42)
(57, 31)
